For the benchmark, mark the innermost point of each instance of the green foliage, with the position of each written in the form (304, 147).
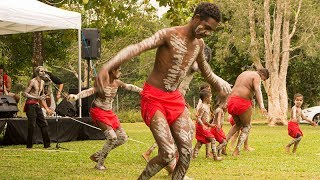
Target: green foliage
(306, 84)
(130, 116)
(268, 161)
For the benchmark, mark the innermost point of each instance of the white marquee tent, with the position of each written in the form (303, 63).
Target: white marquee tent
(21, 16)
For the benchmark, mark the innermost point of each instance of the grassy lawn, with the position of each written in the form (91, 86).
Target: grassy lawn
(268, 161)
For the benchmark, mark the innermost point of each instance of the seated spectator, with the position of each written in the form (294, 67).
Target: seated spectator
(6, 84)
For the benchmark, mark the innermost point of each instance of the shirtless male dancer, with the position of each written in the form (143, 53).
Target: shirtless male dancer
(162, 104)
(36, 97)
(247, 84)
(183, 88)
(103, 116)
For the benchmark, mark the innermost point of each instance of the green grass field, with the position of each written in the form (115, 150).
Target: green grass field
(268, 161)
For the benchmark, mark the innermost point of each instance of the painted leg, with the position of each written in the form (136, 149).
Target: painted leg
(243, 136)
(100, 156)
(295, 146)
(182, 135)
(222, 148)
(170, 167)
(233, 140)
(287, 148)
(162, 134)
(214, 150)
(246, 145)
(208, 152)
(196, 149)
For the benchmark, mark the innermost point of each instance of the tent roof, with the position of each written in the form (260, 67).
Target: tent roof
(20, 16)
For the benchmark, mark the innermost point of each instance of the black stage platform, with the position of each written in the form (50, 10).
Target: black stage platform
(68, 130)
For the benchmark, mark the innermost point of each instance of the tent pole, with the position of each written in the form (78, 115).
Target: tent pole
(79, 71)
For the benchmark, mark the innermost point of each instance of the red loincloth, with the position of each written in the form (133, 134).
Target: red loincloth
(231, 121)
(107, 117)
(171, 104)
(294, 129)
(202, 135)
(238, 105)
(218, 134)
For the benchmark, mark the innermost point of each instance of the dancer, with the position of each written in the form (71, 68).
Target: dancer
(217, 130)
(203, 133)
(247, 84)
(103, 116)
(183, 88)
(162, 104)
(36, 97)
(293, 125)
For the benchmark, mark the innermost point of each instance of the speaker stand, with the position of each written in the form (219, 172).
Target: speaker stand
(57, 131)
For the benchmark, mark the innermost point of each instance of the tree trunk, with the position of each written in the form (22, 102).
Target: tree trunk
(37, 56)
(277, 86)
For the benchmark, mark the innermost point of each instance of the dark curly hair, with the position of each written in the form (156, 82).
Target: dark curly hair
(204, 94)
(264, 71)
(206, 9)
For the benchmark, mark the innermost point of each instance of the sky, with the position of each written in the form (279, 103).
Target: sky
(160, 10)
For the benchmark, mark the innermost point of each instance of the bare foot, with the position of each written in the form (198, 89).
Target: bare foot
(209, 155)
(146, 156)
(287, 149)
(236, 152)
(216, 158)
(94, 158)
(249, 149)
(224, 151)
(100, 167)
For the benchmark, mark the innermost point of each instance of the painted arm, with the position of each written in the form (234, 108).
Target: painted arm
(215, 81)
(199, 104)
(131, 87)
(310, 121)
(257, 89)
(200, 113)
(82, 94)
(127, 53)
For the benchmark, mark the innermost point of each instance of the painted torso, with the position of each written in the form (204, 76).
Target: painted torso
(206, 116)
(296, 114)
(106, 103)
(174, 59)
(36, 87)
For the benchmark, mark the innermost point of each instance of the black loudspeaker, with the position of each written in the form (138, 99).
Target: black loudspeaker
(91, 45)
(66, 108)
(8, 107)
(86, 103)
